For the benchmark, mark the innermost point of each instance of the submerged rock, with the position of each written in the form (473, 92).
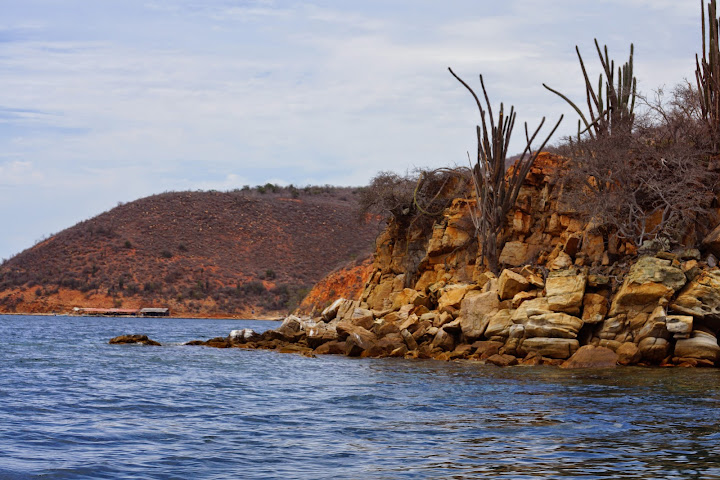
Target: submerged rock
(243, 335)
(129, 339)
(502, 360)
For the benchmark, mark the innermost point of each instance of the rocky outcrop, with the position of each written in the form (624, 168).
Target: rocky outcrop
(133, 339)
(568, 294)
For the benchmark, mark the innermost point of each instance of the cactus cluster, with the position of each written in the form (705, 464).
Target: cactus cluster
(707, 73)
(613, 110)
(495, 191)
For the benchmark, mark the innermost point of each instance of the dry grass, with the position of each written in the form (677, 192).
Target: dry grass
(227, 252)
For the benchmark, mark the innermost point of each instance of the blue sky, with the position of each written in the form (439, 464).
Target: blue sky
(107, 101)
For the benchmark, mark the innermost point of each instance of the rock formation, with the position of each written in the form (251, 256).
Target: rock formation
(567, 291)
(133, 339)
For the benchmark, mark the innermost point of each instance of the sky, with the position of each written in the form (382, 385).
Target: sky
(108, 101)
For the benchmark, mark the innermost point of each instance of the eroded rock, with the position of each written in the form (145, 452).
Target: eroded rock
(560, 348)
(133, 339)
(649, 280)
(564, 290)
(589, 356)
(554, 324)
(510, 284)
(476, 311)
(701, 297)
(701, 345)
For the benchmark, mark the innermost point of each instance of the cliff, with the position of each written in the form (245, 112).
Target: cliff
(347, 281)
(249, 253)
(564, 285)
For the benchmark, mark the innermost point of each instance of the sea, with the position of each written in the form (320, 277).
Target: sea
(74, 407)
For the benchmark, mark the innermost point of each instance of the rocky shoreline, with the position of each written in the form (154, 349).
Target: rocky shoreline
(523, 318)
(509, 320)
(568, 293)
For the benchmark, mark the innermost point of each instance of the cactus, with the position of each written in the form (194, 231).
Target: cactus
(707, 72)
(614, 110)
(495, 191)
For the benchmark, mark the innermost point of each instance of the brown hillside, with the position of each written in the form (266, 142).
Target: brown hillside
(201, 253)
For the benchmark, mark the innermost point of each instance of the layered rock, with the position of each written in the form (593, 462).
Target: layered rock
(565, 292)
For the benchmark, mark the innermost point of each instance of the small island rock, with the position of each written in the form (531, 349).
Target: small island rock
(139, 339)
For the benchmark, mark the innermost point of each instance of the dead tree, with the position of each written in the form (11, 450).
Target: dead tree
(495, 191)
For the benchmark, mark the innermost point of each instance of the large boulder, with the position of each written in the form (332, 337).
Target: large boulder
(358, 341)
(345, 329)
(595, 307)
(384, 346)
(590, 356)
(535, 306)
(653, 349)
(702, 345)
(560, 348)
(515, 254)
(320, 333)
(679, 324)
(498, 326)
(564, 290)
(502, 360)
(331, 348)
(510, 284)
(243, 335)
(331, 311)
(451, 296)
(409, 339)
(649, 280)
(291, 326)
(443, 340)
(475, 312)
(555, 324)
(362, 317)
(379, 296)
(346, 310)
(701, 297)
(712, 241)
(628, 354)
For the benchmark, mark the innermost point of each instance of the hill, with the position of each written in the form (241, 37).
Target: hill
(247, 252)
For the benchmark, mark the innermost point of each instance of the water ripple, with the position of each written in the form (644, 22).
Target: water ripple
(72, 406)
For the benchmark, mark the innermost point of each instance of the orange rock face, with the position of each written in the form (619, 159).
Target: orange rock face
(347, 282)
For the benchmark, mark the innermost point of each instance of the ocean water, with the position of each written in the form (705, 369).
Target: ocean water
(72, 406)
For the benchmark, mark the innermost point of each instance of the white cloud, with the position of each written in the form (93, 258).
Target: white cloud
(218, 94)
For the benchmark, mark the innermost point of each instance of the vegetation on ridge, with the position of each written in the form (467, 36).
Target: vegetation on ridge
(197, 252)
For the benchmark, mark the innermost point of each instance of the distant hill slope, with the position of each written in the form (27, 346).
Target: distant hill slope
(200, 253)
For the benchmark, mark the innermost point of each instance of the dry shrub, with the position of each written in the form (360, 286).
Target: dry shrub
(414, 200)
(653, 183)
